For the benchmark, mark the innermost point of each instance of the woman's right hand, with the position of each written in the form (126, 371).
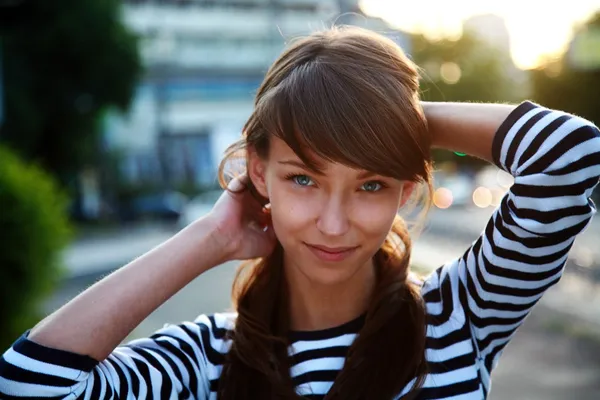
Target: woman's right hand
(97, 320)
(242, 225)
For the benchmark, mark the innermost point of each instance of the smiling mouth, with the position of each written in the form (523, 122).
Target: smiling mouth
(331, 254)
(332, 250)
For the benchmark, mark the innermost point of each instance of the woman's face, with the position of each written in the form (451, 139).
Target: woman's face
(330, 224)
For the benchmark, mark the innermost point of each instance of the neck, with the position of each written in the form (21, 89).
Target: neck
(316, 306)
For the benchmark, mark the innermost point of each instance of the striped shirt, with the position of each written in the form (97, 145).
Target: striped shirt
(474, 303)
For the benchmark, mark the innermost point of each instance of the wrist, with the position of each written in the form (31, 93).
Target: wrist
(431, 112)
(208, 243)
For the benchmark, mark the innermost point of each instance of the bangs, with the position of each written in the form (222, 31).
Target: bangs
(329, 113)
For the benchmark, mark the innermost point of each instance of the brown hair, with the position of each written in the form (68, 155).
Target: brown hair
(346, 95)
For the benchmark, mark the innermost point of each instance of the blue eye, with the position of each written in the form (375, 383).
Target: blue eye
(302, 180)
(372, 186)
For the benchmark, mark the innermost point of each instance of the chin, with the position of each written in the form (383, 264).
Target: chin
(325, 272)
(326, 275)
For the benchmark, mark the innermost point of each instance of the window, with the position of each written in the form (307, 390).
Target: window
(189, 158)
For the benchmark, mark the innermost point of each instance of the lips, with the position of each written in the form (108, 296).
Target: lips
(332, 250)
(331, 254)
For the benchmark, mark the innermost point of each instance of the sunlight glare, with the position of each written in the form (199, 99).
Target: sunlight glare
(450, 72)
(482, 197)
(536, 27)
(442, 198)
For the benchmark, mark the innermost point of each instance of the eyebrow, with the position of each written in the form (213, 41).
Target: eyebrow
(300, 164)
(365, 175)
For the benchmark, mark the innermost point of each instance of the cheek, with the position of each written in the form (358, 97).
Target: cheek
(374, 217)
(291, 212)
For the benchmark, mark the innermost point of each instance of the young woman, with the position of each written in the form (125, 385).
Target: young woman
(337, 143)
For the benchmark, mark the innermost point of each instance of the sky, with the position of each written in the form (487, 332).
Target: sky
(536, 27)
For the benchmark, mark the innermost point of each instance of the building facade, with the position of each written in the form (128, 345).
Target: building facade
(204, 61)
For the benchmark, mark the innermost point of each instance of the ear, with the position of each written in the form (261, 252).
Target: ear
(257, 173)
(408, 189)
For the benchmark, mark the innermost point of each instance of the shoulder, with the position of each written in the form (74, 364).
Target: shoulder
(425, 284)
(210, 331)
(214, 327)
(206, 330)
(416, 279)
(217, 321)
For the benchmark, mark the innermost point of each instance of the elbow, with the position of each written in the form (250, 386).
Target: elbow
(18, 379)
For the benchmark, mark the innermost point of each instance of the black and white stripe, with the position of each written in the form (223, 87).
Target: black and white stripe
(474, 304)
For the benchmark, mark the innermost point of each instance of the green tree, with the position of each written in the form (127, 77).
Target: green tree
(466, 69)
(564, 85)
(64, 63)
(34, 229)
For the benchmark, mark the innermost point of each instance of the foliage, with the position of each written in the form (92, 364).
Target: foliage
(64, 63)
(481, 72)
(34, 230)
(561, 85)
(484, 70)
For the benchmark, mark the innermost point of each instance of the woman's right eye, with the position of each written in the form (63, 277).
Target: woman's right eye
(302, 180)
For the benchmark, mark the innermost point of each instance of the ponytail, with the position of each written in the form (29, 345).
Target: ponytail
(388, 353)
(350, 96)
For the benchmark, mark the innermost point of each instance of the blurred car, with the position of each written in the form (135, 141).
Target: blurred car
(165, 205)
(453, 190)
(492, 185)
(198, 207)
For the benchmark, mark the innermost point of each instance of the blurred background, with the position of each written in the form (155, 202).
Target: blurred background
(114, 116)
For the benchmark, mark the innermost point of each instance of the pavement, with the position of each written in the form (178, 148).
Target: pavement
(436, 245)
(469, 222)
(555, 355)
(98, 253)
(548, 360)
(445, 237)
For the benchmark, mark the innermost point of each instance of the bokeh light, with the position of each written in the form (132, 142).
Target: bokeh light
(450, 73)
(482, 197)
(497, 195)
(442, 198)
(504, 179)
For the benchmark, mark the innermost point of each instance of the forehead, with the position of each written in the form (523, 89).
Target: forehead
(279, 149)
(280, 153)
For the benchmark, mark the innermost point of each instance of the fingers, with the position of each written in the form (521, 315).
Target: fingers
(238, 184)
(260, 220)
(258, 227)
(259, 215)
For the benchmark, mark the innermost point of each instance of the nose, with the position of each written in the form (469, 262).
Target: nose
(333, 219)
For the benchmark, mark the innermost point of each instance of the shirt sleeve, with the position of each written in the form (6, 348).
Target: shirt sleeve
(554, 158)
(172, 363)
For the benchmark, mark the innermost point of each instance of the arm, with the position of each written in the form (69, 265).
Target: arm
(97, 320)
(465, 127)
(555, 159)
(71, 354)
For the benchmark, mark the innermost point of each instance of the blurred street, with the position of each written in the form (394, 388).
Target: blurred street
(114, 117)
(556, 354)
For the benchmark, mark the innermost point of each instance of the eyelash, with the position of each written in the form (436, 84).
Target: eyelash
(382, 185)
(291, 177)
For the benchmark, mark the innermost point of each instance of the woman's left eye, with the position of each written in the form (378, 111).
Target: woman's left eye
(372, 186)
